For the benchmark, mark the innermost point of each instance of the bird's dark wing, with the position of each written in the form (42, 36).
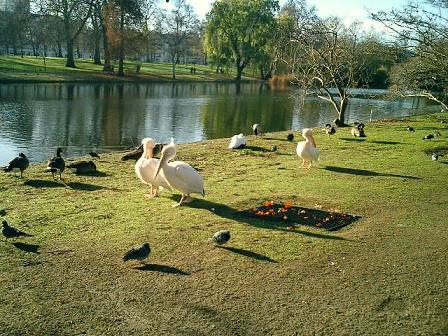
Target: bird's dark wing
(131, 254)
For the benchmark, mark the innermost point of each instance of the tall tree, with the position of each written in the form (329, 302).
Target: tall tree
(423, 30)
(73, 15)
(244, 27)
(179, 23)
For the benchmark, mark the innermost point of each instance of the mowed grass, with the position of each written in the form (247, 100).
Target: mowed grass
(386, 274)
(34, 69)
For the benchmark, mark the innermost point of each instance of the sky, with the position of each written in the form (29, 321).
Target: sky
(348, 10)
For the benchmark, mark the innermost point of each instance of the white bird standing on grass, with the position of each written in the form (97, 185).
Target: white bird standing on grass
(307, 150)
(258, 131)
(146, 166)
(179, 175)
(238, 141)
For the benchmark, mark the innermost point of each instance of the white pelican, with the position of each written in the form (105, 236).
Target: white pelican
(238, 141)
(307, 149)
(258, 131)
(179, 175)
(146, 166)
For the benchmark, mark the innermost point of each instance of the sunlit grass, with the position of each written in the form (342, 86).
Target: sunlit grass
(29, 68)
(84, 224)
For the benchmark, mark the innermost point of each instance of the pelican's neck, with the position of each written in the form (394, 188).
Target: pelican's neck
(310, 139)
(147, 152)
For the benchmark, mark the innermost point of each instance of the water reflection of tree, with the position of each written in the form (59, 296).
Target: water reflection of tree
(229, 114)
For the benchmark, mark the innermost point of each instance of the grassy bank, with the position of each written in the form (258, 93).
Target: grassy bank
(385, 274)
(52, 69)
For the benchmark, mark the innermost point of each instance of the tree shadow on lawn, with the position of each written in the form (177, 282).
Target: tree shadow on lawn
(247, 253)
(363, 172)
(242, 217)
(161, 268)
(30, 248)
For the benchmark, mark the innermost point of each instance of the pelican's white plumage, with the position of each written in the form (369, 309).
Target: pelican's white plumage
(238, 141)
(179, 175)
(145, 168)
(307, 149)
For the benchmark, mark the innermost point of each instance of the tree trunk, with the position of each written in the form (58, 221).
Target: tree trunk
(121, 52)
(261, 71)
(70, 63)
(107, 54)
(174, 67)
(96, 41)
(239, 72)
(342, 109)
(59, 49)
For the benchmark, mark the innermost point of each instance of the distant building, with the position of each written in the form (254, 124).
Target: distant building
(14, 5)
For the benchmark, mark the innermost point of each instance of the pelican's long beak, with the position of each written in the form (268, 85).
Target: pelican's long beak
(312, 141)
(159, 166)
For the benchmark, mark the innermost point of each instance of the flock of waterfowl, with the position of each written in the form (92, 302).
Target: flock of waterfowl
(164, 173)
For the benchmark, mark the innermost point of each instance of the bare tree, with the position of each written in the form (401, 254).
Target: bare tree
(325, 58)
(423, 30)
(179, 23)
(72, 15)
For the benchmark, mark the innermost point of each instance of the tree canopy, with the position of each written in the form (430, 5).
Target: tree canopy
(239, 30)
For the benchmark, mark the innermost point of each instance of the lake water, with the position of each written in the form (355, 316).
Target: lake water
(37, 118)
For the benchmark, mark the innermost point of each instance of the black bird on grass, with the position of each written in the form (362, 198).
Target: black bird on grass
(11, 232)
(221, 237)
(329, 130)
(428, 137)
(2, 212)
(19, 163)
(139, 253)
(274, 148)
(358, 131)
(290, 137)
(94, 155)
(82, 167)
(56, 164)
(410, 129)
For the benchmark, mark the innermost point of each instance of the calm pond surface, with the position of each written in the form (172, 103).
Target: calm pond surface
(37, 118)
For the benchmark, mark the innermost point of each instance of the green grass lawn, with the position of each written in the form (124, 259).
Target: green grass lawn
(385, 274)
(30, 68)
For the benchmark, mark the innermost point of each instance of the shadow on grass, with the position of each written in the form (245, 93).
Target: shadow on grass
(161, 268)
(30, 248)
(96, 173)
(236, 215)
(363, 172)
(354, 139)
(84, 186)
(387, 142)
(257, 149)
(247, 253)
(58, 184)
(43, 184)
